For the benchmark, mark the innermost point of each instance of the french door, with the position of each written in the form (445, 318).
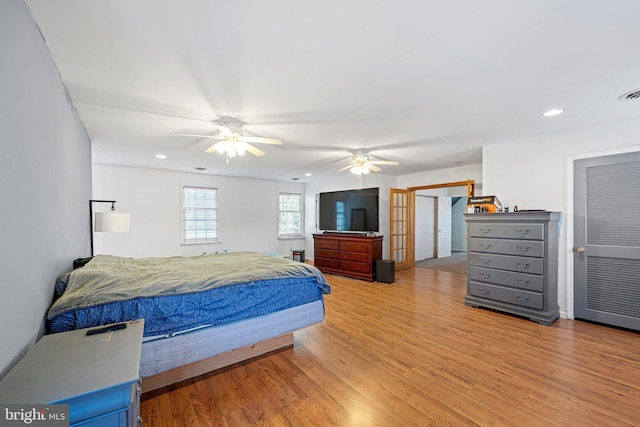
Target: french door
(401, 243)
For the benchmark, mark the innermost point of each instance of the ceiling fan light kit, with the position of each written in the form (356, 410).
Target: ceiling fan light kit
(359, 169)
(361, 164)
(233, 141)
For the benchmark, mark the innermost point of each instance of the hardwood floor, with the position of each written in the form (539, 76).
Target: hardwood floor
(411, 353)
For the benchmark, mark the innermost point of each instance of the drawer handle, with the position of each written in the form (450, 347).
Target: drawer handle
(521, 298)
(485, 230)
(522, 264)
(485, 245)
(522, 248)
(485, 260)
(484, 291)
(523, 231)
(485, 275)
(522, 282)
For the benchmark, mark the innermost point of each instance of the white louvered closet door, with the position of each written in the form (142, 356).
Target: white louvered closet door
(607, 240)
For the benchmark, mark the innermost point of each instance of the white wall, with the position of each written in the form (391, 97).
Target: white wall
(152, 197)
(348, 181)
(45, 182)
(248, 212)
(536, 173)
(461, 173)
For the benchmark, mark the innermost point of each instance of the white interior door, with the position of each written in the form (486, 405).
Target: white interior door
(443, 219)
(425, 227)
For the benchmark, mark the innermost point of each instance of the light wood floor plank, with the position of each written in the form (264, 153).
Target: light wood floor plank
(411, 353)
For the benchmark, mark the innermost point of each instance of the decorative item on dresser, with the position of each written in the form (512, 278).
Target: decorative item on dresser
(513, 263)
(351, 255)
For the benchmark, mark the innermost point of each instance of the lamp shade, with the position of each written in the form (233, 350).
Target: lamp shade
(112, 222)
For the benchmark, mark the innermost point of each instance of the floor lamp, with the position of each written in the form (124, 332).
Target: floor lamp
(110, 221)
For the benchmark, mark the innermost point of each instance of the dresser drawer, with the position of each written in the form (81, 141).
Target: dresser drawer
(506, 262)
(354, 247)
(507, 247)
(508, 295)
(354, 256)
(530, 282)
(327, 253)
(327, 244)
(360, 267)
(326, 262)
(508, 231)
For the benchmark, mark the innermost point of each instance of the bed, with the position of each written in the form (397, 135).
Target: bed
(201, 313)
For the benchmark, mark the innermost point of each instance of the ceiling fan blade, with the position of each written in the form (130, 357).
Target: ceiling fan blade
(225, 131)
(214, 147)
(373, 168)
(345, 168)
(199, 136)
(384, 162)
(253, 150)
(261, 140)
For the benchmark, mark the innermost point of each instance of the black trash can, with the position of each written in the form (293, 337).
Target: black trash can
(385, 270)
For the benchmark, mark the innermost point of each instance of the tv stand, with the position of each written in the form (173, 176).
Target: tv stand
(347, 254)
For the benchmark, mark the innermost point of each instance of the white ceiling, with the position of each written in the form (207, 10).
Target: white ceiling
(422, 82)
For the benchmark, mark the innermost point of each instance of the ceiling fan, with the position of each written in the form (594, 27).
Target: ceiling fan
(232, 141)
(362, 164)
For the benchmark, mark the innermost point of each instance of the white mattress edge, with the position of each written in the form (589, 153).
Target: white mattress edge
(160, 354)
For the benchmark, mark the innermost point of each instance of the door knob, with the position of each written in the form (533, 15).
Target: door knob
(580, 250)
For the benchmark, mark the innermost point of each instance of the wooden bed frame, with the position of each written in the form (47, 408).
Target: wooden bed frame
(218, 361)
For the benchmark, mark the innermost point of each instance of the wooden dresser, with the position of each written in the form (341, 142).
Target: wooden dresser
(350, 255)
(513, 263)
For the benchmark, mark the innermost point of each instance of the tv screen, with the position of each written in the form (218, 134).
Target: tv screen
(349, 210)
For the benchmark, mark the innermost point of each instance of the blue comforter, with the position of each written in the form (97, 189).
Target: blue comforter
(178, 293)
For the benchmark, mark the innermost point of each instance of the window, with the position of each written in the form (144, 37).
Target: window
(199, 215)
(290, 215)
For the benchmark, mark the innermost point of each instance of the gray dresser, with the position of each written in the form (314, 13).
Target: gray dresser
(513, 263)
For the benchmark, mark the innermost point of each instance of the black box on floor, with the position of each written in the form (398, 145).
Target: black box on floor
(385, 270)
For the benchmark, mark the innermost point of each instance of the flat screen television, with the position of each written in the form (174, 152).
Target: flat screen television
(349, 210)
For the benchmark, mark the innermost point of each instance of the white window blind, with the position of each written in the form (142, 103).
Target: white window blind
(199, 215)
(290, 214)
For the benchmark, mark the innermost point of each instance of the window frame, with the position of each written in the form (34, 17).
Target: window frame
(199, 241)
(289, 236)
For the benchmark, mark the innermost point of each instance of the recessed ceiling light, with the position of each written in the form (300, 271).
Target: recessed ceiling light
(160, 156)
(308, 174)
(553, 112)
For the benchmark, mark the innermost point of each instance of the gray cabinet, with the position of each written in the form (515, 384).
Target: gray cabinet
(96, 375)
(513, 263)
